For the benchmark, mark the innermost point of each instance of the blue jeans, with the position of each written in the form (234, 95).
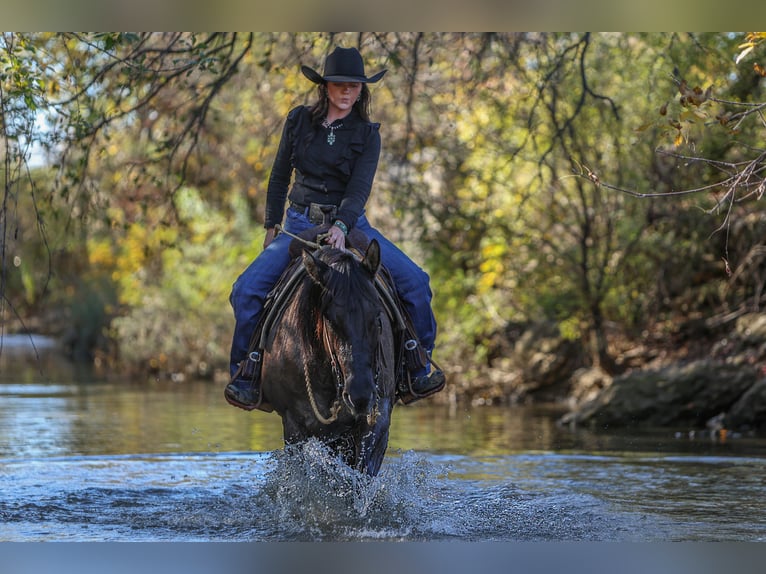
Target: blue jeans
(251, 288)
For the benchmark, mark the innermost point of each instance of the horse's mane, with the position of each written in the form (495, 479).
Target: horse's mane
(349, 283)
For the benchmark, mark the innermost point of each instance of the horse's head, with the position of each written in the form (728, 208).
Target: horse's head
(351, 316)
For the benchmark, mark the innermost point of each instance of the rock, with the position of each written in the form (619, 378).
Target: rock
(545, 362)
(752, 327)
(688, 394)
(749, 412)
(587, 383)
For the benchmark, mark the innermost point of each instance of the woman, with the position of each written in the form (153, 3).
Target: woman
(332, 149)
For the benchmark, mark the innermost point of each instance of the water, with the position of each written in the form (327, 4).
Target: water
(91, 460)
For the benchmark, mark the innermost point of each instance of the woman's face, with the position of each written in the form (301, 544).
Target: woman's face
(342, 96)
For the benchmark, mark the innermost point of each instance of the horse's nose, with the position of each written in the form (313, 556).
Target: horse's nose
(358, 405)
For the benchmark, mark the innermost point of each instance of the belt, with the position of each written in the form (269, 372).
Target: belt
(299, 206)
(317, 213)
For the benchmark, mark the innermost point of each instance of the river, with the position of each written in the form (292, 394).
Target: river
(93, 460)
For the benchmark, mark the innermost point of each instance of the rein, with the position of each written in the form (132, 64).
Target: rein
(334, 409)
(306, 242)
(383, 290)
(337, 405)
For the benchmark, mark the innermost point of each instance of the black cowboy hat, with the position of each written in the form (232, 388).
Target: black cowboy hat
(343, 65)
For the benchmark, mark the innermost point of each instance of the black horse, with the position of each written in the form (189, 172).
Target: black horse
(330, 370)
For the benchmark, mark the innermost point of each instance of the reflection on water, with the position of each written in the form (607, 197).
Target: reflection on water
(155, 460)
(39, 419)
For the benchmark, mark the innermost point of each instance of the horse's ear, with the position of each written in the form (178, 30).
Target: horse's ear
(371, 260)
(316, 269)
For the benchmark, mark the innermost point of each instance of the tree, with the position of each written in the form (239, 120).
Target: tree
(711, 131)
(501, 154)
(75, 97)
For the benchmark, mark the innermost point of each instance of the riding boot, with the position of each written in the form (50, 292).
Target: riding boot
(429, 383)
(421, 381)
(244, 390)
(242, 393)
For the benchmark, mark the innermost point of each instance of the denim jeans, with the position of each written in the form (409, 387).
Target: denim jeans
(251, 288)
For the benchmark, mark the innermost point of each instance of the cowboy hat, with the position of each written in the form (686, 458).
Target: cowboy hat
(343, 65)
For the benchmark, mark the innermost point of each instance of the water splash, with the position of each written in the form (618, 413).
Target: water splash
(304, 493)
(311, 494)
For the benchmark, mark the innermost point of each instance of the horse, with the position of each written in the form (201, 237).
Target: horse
(329, 372)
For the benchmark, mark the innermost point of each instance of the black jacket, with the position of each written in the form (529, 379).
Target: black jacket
(340, 174)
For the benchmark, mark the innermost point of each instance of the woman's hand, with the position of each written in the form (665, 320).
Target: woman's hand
(336, 238)
(271, 233)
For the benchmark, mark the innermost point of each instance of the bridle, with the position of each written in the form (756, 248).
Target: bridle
(337, 404)
(339, 379)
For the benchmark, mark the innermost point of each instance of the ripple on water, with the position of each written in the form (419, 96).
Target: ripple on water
(303, 493)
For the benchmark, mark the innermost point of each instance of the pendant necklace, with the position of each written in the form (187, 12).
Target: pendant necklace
(332, 128)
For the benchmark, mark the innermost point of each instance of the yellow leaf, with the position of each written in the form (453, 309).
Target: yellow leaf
(743, 53)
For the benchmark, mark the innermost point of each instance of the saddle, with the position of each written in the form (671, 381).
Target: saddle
(409, 354)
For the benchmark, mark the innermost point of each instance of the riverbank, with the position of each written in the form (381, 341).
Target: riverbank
(705, 375)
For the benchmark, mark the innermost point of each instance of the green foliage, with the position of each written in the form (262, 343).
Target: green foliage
(177, 318)
(505, 162)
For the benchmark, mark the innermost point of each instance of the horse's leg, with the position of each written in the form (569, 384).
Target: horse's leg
(373, 443)
(292, 432)
(377, 452)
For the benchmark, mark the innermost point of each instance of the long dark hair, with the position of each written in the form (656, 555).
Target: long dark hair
(320, 107)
